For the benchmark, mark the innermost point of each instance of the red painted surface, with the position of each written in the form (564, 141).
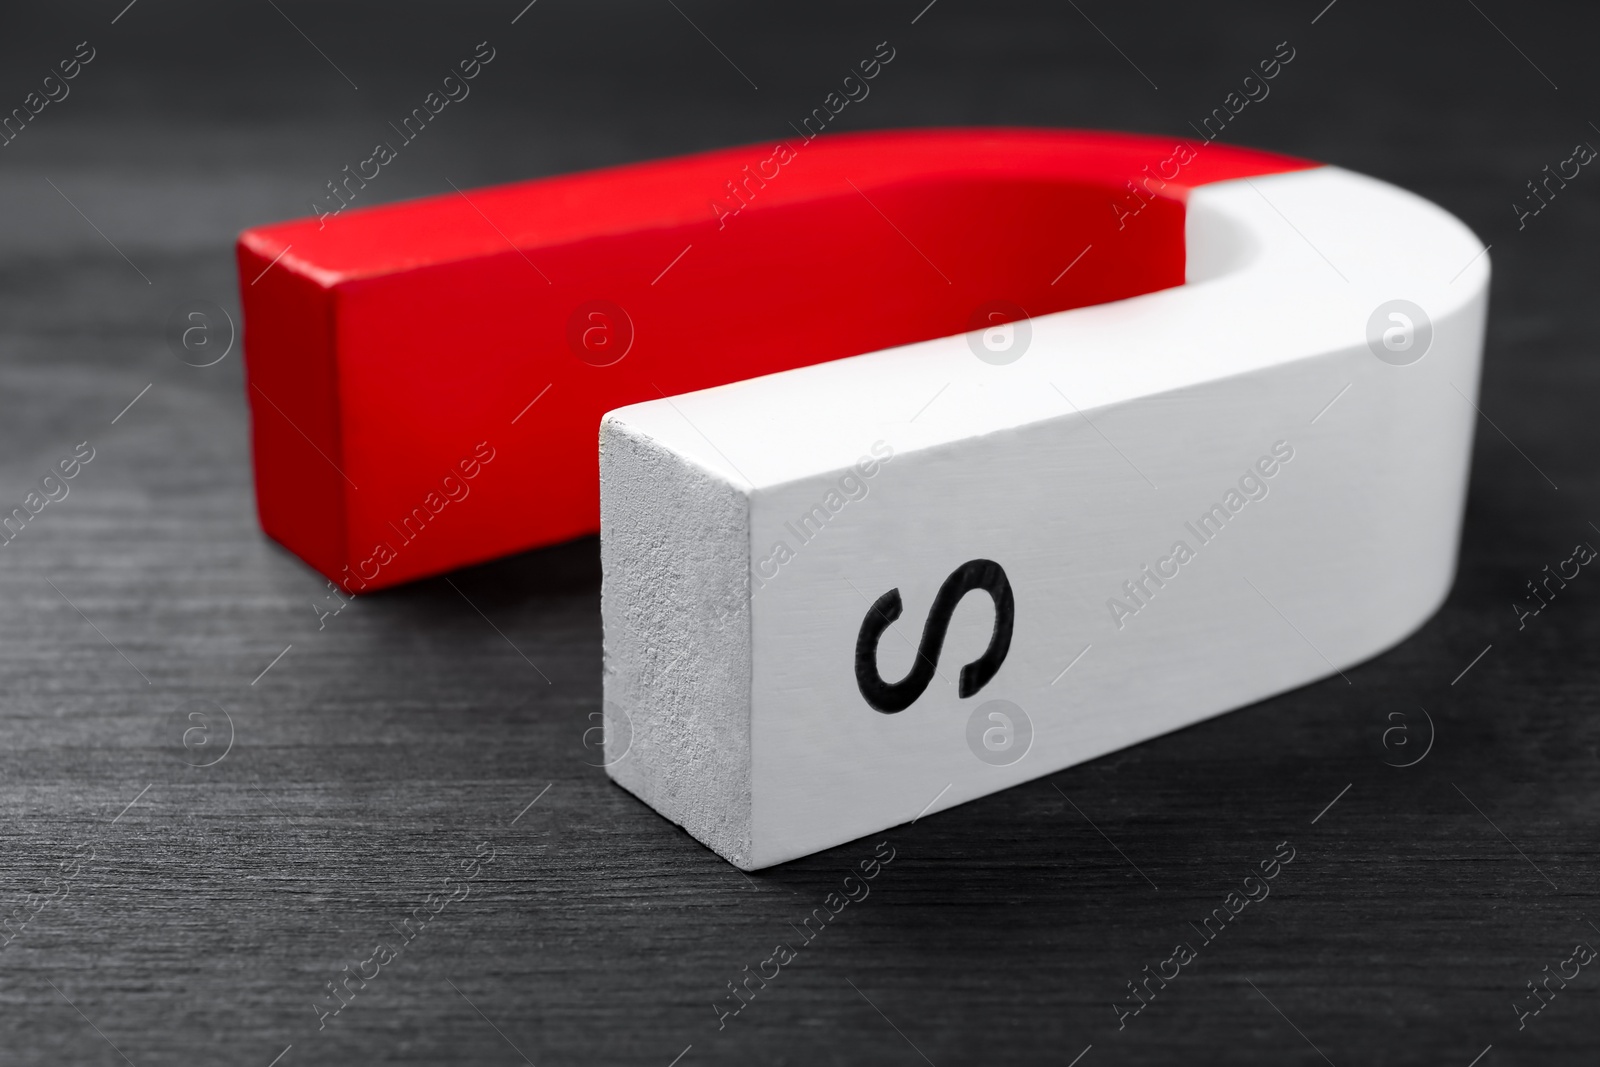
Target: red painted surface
(390, 349)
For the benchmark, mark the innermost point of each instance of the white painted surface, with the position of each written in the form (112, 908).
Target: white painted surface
(1072, 467)
(677, 721)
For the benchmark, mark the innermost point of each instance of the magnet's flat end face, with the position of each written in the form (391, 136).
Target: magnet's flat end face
(859, 592)
(390, 349)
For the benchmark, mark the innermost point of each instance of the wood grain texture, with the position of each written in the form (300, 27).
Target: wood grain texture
(381, 750)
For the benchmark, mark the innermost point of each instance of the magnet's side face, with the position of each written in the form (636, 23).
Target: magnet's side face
(1184, 523)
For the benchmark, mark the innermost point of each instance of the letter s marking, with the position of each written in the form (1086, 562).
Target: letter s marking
(983, 574)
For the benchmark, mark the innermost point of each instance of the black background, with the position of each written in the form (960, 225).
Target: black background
(384, 747)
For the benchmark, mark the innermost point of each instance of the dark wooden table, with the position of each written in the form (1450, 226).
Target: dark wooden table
(196, 914)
